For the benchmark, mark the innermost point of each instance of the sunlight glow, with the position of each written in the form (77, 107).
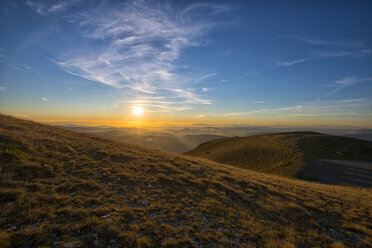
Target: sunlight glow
(138, 111)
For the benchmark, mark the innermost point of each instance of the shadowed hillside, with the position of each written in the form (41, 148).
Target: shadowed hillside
(60, 188)
(284, 154)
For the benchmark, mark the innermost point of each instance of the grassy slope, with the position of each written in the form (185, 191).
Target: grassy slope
(282, 154)
(62, 188)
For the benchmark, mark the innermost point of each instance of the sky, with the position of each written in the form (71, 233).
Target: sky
(187, 62)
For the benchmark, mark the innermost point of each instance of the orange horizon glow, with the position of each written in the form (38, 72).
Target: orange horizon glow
(162, 124)
(148, 119)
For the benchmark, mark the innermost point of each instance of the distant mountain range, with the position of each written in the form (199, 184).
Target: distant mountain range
(183, 139)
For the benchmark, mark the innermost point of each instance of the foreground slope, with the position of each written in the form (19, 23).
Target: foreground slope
(65, 189)
(285, 154)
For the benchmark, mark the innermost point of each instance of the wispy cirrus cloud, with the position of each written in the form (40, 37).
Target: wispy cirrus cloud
(327, 42)
(346, 82)
(205, 77)
(169, 101)
(335, 44)
(293, 62)
(314, 108)
(142, 43)
(62, 5)
(50, 7)
(326, 54)
(351, 100)
(266, 110)
(36, 6)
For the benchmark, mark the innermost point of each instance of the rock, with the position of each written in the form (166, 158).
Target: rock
(96, 243)
(112, 241)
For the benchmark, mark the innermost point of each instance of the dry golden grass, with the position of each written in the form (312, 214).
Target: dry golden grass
(60, 188)
(283, 154)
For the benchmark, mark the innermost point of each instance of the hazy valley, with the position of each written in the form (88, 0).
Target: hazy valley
(183, 139)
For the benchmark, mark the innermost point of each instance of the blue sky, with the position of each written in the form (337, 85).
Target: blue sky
(287, 62)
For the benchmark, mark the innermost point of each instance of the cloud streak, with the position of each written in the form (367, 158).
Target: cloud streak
(36, 6)
(50, 7)
(324, 55)
(313, 108)
(346, 82)
(327, 42)
(205, 77)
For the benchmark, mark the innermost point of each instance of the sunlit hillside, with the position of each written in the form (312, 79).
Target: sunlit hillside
(285, 154)
(60, 188)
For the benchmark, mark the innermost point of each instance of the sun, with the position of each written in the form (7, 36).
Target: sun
(138, 110)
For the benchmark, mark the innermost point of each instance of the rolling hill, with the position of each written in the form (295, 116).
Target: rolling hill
(163, 140)
(60, 188)
(183, 139)
(286, 154)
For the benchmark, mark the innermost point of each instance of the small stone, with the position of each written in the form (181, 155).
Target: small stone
(112, 241)
(13, 227)
(96, 243)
